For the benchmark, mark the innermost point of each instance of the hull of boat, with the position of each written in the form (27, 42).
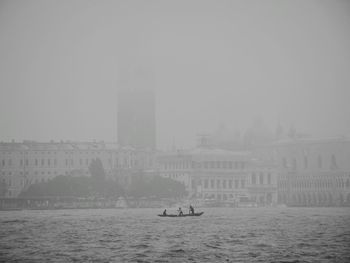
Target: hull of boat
(184, 215)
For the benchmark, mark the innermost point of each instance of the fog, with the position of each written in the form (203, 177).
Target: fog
(209, 62)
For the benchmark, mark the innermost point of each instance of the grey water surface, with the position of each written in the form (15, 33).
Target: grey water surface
(139, 235)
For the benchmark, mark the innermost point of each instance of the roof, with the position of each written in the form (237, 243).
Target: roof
(336, 139)
(204, 151)
(57, 146)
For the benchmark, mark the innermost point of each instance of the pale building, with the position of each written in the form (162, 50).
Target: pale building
(222, 175)
(311, 172)
(22, 164)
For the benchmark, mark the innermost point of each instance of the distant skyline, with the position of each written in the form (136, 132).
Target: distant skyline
(211, 63)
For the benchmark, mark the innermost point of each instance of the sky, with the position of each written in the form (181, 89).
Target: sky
(212, 62)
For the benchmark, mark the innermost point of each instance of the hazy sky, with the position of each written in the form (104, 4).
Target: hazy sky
(213, 62)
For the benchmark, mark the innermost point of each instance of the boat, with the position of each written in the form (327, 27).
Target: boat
(184, 215)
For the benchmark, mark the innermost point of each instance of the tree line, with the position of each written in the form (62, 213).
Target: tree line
(97, 185)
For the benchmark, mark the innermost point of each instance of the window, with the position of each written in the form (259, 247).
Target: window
(205, 183)
(48, 162)
(212, 183)
(236, 183)
(230, 184)
(253, 178)
(242, 183)
(42, 162)
(21, 162)
(218, 184)
(36, 162)
(268, 178)
(261, 178)
(224, 184)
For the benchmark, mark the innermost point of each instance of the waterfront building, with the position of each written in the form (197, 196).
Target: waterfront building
(29, 162)
(311, 172)
(221, 175)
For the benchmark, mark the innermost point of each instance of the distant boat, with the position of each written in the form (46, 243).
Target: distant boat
(195, 214)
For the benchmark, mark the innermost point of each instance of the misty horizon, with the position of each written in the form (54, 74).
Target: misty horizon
(209, 64)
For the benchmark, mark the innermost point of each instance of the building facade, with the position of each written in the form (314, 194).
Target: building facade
(221, 175)
(29, 162)
(311, 172)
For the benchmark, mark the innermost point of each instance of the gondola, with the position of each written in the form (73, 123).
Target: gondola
(184, 215)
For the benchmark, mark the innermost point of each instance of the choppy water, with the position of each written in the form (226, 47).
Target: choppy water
(138, 235)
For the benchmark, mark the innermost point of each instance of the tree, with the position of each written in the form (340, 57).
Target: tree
(96, 170)
(82, 186)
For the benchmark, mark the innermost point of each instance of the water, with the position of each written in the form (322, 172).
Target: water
(138, 235)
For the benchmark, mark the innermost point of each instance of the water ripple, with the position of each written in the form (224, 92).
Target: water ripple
(220, 235)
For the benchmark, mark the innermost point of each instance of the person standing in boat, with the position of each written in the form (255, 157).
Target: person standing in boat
(164, 212)
(180, 212)
(191, 210)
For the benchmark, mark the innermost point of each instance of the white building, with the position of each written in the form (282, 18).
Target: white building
(219, 174)
(22, 164)
(311, 172)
